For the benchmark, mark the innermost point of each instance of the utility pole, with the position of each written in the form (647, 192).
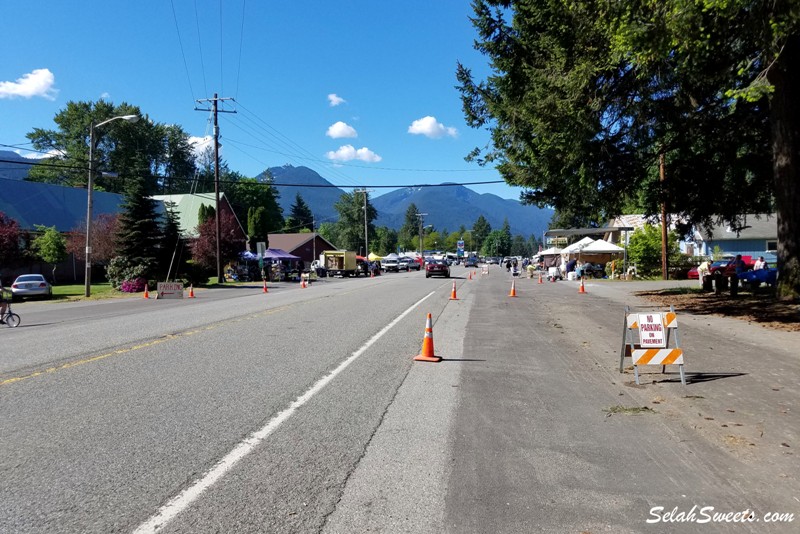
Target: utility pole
(421, 217)
(662, 179)
(366, 229)
(215, 110)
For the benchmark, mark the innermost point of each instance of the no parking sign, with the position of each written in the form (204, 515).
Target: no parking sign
(651, 330)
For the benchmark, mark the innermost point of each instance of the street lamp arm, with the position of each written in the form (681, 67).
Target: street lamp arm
(93, 141)
(129, 118)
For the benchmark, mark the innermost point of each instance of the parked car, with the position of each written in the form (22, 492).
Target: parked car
(437, 268)
(391, 264)
(31, 285)
(410, 264)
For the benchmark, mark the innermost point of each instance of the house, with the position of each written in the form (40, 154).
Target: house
(759, 237)
(187, 207)
(307, 246)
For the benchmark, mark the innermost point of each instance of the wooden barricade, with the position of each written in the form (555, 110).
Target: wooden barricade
(656, 341)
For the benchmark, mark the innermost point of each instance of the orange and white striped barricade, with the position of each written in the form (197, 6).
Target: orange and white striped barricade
(656, 342)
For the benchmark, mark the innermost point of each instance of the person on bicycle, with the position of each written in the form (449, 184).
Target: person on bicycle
(3, 303)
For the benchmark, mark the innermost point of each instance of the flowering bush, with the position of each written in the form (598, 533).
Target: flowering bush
(122, 269)
(133, 286)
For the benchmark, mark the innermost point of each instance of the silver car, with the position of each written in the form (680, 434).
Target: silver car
(31, 285)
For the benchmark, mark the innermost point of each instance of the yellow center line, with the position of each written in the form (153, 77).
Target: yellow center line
(139, 346)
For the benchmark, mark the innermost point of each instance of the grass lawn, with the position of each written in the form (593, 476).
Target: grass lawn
(76, 292)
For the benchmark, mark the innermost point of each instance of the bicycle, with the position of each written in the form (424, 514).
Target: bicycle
(8, 317)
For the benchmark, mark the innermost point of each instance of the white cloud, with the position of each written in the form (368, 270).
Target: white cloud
(200, 144)
(37, 83)
(105, 96)
(349, 153)
(52, 153)
(340, 129)
(335, 99)
(429, 127)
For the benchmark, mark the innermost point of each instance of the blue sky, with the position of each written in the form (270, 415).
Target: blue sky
(361, 91)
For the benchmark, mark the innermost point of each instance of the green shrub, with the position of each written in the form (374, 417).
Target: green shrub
(122, 268)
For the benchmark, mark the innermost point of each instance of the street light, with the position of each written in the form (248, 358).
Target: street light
(89, 189)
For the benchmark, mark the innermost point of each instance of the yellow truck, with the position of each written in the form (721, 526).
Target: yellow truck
(340, 262)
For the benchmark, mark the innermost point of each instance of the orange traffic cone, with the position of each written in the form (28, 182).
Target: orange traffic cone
(427, 344)
(540, 277)
(453, 292)
(191, 291)
(582, 289)
(513, 292)
(265, 287)
(146, 294)
(470, 276)
(302, 283)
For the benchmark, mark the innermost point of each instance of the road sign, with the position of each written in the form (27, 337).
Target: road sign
(651, 331)
(170, 290)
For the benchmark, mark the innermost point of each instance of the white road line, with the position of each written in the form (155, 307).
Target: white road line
(180, 502)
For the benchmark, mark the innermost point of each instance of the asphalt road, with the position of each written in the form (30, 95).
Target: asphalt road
(301, 410)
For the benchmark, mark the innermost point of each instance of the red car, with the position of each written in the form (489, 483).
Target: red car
(437, 268)
(727, 266)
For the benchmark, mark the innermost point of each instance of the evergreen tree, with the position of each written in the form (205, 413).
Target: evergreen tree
(171, 258)
(138, 232)
(480, 230)
(257, 226)
(300, 218)
(408, 236)
(205, 213)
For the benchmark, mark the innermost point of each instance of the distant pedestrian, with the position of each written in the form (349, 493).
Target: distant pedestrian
(760, 264)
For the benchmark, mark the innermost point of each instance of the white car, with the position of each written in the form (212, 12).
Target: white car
(390, 264)
(31, 285)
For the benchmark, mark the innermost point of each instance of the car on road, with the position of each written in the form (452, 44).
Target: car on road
(31, 285)
(437, 268)
(410, 264)
(472, 261)
(391, 264)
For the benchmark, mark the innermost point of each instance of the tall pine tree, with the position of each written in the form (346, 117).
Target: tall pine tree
(139, 232)
(300, 218)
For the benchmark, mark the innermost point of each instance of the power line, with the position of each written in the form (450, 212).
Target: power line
(183, 54)
(241, 42)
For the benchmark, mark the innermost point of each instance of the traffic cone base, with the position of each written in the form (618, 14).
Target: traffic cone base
(540, 277)
(453, 292)
(513, 292)
(191, 291)
(265, 287)
(582, 289)
(427, 354)
(146, 293)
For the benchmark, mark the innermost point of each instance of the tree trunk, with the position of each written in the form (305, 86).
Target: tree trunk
(785, 122)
